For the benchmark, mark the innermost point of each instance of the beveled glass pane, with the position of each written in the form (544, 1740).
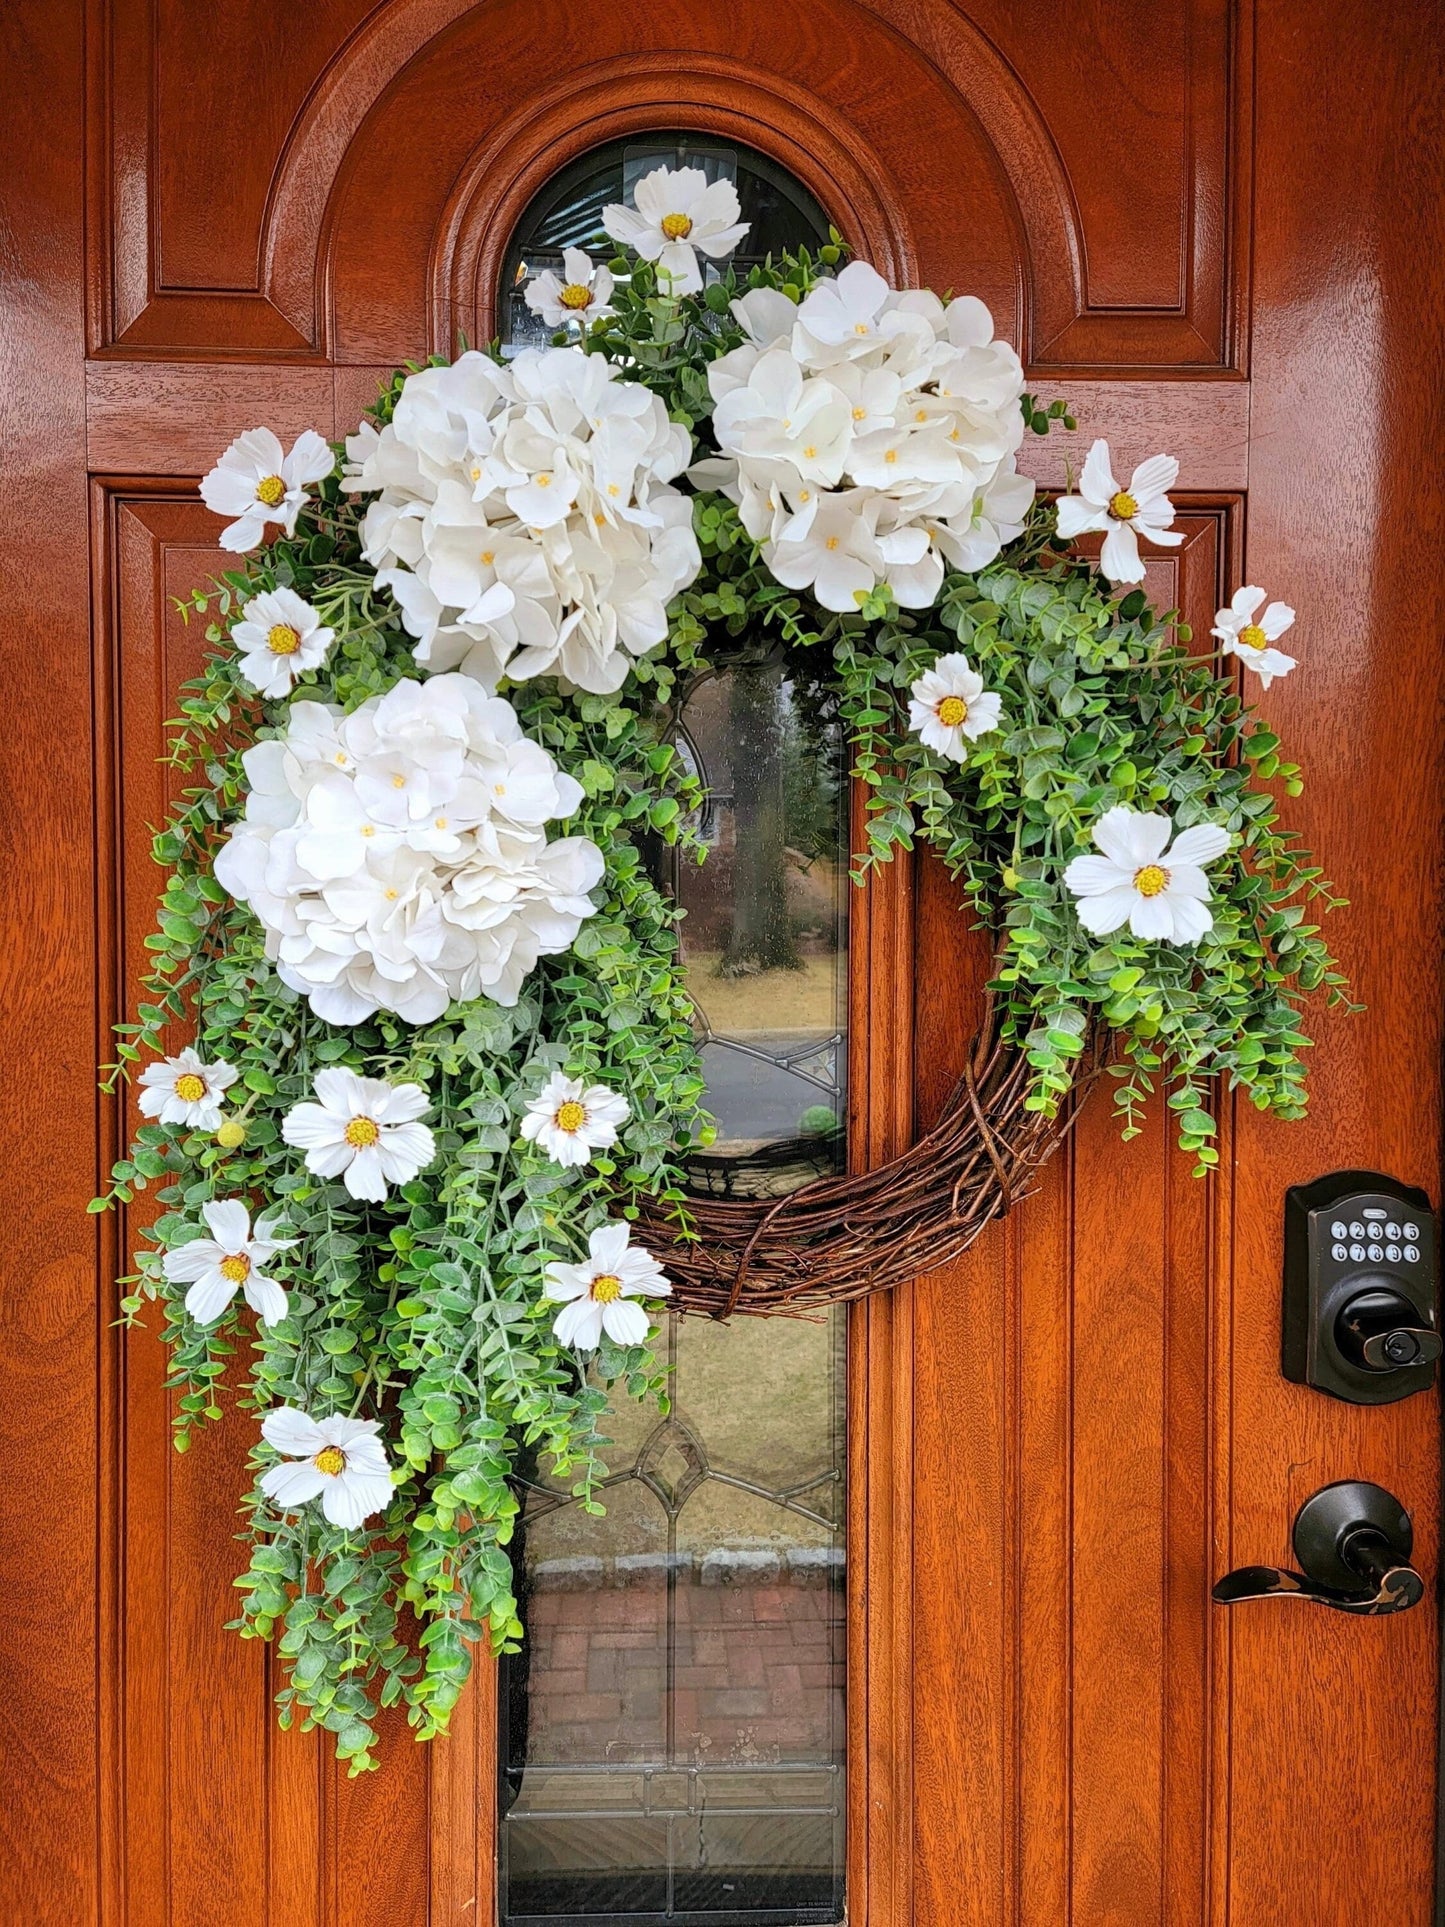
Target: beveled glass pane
(567, 213)
(673, 1731)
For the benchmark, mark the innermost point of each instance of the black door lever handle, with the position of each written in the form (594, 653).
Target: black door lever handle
(1354, 1542)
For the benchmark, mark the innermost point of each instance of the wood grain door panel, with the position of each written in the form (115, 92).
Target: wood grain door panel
(1213, 227)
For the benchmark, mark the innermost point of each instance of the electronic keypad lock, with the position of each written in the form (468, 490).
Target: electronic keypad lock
(1359, 1288)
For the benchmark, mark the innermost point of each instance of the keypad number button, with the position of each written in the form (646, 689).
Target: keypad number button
(1357, 1252)
(1392, 1252)
(1412, 1254)
(1411, 1232)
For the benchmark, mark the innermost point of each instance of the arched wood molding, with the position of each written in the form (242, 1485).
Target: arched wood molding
(726, 97)
(620, 97)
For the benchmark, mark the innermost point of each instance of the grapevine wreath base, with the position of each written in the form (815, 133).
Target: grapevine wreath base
(421, 1098)
(841, 1238)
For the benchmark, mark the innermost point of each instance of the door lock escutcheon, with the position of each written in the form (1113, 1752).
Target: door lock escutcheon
(1353, 1541)
(1359, 1288)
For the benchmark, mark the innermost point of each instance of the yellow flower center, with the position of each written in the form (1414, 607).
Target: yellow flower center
(677, 227)
(331, 1460)
(362, 1132)
(860, 327)
(398, 782)
(1123, 507)
(391, 895)
(613, 489)
(282, 639)
(921, 415)
(606, 1288)
(271, 490)
(575, 295)
(236, 1269)
(544, 481)
(1151, 880)
(442, 822)
(570, 1116)
(860, 414)
(190, 1088)
(831, 543)
(891, 456)
(368, 829)
(811, 454)
(487, 557)
(952, 711)
(1253, 637)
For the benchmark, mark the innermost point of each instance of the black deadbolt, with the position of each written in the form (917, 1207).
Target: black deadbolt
(1359, 1288)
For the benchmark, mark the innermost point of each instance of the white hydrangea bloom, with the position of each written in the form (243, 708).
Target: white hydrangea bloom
(869, 436)
(398, 857)
(524, 520)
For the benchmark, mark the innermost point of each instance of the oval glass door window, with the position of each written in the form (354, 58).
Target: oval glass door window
(672, 1744)
(567, 213)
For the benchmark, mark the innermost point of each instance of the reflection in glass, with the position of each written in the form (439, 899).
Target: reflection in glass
(672, 1733)
(567, 213)
(764, 939)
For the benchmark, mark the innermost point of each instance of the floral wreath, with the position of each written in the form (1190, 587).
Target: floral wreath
(441, 1060)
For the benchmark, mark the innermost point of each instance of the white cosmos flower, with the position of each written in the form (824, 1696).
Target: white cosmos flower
(1250, 639)
(183, 1090)
(869, 435)
(363, 1130)
(570, 1120)
(280, 637)
(340, 1460)
(1161, 892)
(598, 1294)
(398, 859)
(581, 294)
(675, 213)
(525, 523)
(950, 707)
(230, 1260)
(256, 483)
(1124, 514)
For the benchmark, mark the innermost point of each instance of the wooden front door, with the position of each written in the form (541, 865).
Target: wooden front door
(1215, 230)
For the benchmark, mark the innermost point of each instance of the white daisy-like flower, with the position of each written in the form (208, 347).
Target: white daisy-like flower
(1158, 888)
(1252, 640)
(183, 1090)
(570, 1120)
(950, 707)
(279, 637)
(581, 294)
(1123, 514)
(363, 1130)
(675, 213)
(598, 1295)
(230, 1260)
(256, 483)
(341, 1460)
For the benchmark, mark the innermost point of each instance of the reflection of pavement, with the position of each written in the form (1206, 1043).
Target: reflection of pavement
(754, 1098)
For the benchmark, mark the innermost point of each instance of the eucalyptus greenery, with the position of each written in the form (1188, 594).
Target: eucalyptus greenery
(426, 1312)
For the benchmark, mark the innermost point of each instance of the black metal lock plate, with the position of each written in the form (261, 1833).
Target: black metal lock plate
(1356, 1243)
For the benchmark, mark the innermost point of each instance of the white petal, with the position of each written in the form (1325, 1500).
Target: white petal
(293, 1431)
(1276, 619)
(1119, 560)
(579, 1324)
(229, 1222)
(1152, 918)
(608, 1245)
(291, 1486)
(209, 1297)
(265, 1297)
(1097, 484)
(350, 1498)
(1198, 845)
(306, 1125)
(1104, 914)
(624, 1321)
(1131, 837)
(1091, 876)
(1153, 478)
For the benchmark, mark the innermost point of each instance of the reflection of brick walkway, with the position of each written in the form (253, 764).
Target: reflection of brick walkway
(757, 1663)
